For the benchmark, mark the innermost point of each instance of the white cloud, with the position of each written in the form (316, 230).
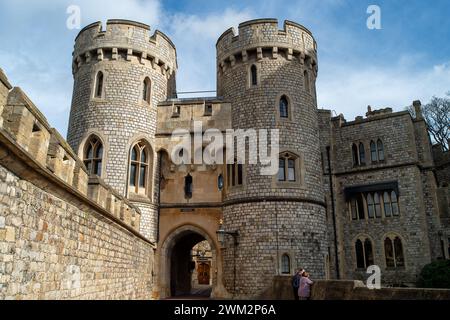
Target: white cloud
(148, 11)
(195, 37)
(350, 89)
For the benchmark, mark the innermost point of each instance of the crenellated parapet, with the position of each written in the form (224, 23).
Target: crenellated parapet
(35, 151)
(127, 41)
(262, 38)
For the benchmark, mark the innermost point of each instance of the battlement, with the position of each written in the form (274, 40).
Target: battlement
(371, 115)
(126, 40)
(263, 36)
(38, 153)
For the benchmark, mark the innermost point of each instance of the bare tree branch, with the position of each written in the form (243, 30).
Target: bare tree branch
(437, 116)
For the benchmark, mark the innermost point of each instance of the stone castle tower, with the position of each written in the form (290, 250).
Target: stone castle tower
(268, 75)
(110, 104)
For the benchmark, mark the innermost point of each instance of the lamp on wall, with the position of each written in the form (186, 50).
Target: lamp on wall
(222, 233)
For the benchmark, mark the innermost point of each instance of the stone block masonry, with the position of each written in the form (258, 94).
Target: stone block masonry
(63, 235)
(50, 249)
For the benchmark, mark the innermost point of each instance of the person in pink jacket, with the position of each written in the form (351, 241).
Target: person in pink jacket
(304, 290)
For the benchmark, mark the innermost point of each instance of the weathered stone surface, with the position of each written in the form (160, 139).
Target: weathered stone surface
(53, 250)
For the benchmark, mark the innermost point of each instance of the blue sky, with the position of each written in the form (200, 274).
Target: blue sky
(408, 59)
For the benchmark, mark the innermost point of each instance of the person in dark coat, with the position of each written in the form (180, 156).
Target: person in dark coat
(296, 282)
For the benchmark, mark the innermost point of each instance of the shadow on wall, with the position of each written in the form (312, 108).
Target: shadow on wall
(350, 290)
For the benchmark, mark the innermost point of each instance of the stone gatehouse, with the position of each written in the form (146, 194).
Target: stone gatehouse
(108, 214)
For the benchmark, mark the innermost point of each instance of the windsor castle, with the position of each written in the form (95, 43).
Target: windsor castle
(106, 214)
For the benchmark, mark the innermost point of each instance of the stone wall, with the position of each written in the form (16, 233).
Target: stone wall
(281, 289)
(52, 249)
(63, 235)
(407, 163)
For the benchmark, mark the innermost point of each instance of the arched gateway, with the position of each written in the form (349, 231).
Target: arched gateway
(176, 264)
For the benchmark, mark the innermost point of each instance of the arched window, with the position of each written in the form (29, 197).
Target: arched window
(139, 167)
(355, 155)
(285, 264)
(362, 154)
(394, 202)
(93, 156)
(99, 85)
(364, 253)
(380, 150)
(307, 82)
(253, 75)
(368, 253)
(387, 205)
(373, 152)
(284, 107)
(188, 186)
(287, 168)
(370, 206)
(360, 263)
(377, 203)
(220, 182)
(398, 251)
(393, 250)
(146, 92)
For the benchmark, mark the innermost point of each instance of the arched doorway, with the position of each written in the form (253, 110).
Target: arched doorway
(181, 266)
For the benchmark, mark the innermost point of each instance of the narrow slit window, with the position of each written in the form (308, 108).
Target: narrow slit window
(188, 186)
(99, 85)
(284, 107)
(146, 92)
(355, 155)
(254, 75)
(285, 264)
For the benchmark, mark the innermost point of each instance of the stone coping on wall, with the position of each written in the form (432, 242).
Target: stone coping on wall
(360, 120)
(281, 289)
(4, 80)
(18, 160)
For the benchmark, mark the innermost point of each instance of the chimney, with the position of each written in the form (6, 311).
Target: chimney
(418, 109)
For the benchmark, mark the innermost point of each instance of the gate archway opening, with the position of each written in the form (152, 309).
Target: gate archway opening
(189, 263)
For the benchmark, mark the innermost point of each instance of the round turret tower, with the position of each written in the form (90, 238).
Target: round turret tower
(269, 77)
(120, 75)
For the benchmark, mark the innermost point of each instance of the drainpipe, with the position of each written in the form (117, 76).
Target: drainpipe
(159, 195)
(333, 212)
